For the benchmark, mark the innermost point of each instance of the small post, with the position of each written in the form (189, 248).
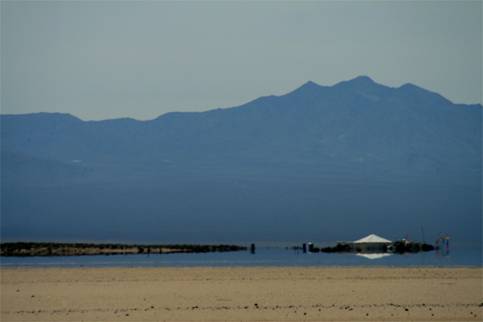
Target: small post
(252, 248)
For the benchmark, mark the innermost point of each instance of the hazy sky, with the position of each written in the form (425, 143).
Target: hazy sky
(101, 60)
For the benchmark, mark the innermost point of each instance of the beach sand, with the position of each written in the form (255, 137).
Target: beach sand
(241, 294)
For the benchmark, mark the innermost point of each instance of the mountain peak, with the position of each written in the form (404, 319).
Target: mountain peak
(410, 86)
(362, 79)
(310, 83)
(417, 91)
(308, 86)
(359, 81)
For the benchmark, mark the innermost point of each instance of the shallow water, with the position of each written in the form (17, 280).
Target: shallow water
(264, 256)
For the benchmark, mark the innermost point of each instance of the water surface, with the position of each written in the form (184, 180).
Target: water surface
(264, 256)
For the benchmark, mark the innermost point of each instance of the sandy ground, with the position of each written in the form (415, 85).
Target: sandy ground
(241, 294)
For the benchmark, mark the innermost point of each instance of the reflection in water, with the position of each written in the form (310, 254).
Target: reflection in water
(374, 255)
(442, 245)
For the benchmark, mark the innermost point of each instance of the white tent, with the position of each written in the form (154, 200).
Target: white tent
(372, 238)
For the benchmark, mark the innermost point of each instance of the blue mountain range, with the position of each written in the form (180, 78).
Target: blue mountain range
(318, 163)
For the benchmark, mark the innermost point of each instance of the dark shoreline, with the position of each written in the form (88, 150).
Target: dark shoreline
(27, 249)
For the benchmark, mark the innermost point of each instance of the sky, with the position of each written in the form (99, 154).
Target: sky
(140, 59)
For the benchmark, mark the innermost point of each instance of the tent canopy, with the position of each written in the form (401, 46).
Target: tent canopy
(372, 238)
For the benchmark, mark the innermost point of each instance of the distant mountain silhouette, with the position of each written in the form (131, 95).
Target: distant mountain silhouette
(321, 162)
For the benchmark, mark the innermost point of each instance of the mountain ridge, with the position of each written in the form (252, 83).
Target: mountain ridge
(308, 85)
(298, 165)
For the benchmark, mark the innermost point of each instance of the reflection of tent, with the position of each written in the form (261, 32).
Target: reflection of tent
(374, 255)
(371, 243)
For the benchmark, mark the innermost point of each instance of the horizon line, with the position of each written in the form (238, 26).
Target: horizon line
(307, 83)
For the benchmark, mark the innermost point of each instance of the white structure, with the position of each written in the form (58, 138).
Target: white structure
(372, 238)
(371, 244)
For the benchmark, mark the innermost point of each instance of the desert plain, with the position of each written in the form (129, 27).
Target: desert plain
(241, 294)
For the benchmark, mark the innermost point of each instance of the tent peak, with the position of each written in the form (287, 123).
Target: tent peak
(372, 238)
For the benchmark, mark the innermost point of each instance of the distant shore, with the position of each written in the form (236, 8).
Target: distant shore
(79, 249)
(241, 294)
